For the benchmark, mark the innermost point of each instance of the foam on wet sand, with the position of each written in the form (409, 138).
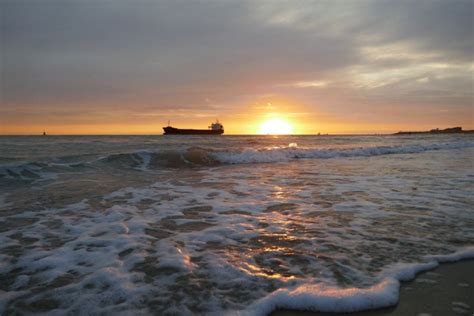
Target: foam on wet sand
(442, 296)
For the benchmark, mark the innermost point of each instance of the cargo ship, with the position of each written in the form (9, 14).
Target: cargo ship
(215, 129)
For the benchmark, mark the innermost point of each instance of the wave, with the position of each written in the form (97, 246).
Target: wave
(144, 159)
(38, 171)
(198, 156)
(291, 152)
(26, 172)
(201, 157)
(140, 160)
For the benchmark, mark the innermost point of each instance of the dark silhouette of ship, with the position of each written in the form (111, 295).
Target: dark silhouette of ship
(215, 129)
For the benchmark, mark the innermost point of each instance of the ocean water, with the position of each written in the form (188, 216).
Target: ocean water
(237, 225)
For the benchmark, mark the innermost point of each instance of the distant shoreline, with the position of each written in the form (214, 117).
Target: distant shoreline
(451, 130)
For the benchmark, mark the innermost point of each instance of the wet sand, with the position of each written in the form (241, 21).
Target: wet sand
(446, 290)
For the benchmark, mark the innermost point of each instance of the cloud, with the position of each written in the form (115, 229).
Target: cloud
(178, 54)
(112, 47)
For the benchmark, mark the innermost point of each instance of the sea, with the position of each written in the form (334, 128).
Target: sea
(227, 225)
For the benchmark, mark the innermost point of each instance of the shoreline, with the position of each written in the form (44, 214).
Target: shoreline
(447, 289)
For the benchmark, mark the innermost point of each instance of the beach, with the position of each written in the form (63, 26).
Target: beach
(236, 158)
(238, 225)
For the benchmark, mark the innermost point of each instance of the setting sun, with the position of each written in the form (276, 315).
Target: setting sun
(275, 126)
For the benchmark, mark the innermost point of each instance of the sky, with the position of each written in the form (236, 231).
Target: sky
(329, 66)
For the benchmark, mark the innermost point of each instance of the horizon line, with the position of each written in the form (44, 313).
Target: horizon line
(320, 134)
(232, 134)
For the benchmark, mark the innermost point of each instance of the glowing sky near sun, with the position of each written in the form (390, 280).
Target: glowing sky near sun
(276, 126)
(127, 67)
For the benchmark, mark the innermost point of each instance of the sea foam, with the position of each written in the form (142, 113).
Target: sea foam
(321, 298)
(328, 299)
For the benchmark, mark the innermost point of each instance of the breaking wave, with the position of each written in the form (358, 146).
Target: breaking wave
(26, 171)
(197, 156)
(204, 157)
(38, 171)
(168, 158)
(282, 154)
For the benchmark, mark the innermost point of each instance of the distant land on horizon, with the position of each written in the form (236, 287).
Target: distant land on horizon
(451, 130)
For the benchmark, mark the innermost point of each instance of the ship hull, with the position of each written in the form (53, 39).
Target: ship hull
(179, 131)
